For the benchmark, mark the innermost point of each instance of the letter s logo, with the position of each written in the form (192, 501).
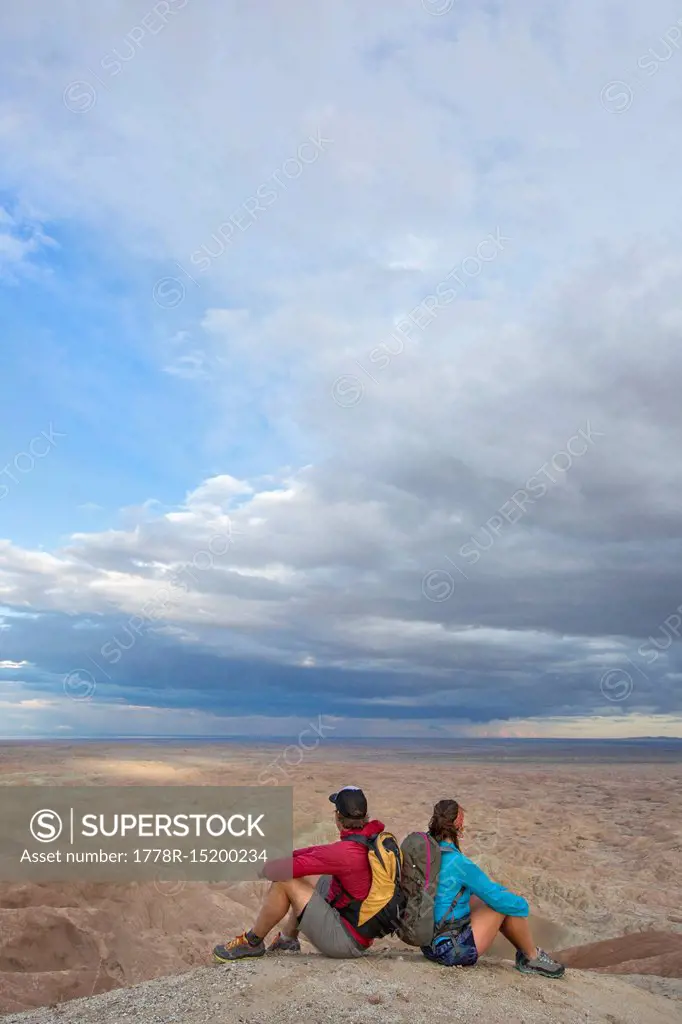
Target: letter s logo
(46, 826)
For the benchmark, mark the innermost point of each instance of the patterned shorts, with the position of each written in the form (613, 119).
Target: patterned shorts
(455, 949)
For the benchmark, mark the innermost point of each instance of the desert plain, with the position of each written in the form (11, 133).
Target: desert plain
(591, 836)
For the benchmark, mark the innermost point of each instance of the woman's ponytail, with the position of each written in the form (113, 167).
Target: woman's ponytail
(442, 824)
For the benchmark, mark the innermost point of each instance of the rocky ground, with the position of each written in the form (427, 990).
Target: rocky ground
(400, 988)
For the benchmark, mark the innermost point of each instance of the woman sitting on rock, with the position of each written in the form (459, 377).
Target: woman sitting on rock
(470, 909)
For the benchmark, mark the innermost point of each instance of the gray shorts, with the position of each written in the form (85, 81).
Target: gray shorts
(324, 927)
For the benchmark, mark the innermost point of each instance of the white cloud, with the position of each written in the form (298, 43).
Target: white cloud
(443, 133)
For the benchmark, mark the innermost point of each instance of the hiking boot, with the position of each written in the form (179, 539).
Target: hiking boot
(541, 963)
(237, 949)
(282, 945)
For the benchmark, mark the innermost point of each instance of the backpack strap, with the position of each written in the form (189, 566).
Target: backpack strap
(443, 924)
(427, 875)
(342, 892)
(368, 843)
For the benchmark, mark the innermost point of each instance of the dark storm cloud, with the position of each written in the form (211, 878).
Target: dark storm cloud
(158, 671)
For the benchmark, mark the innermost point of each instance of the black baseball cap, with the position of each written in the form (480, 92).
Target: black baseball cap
(350, 802)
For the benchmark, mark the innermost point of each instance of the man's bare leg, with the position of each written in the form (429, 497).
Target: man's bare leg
(283, 899)
(290, 925)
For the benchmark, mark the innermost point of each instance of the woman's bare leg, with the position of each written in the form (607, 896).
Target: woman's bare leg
(517, 931)
(486, 923)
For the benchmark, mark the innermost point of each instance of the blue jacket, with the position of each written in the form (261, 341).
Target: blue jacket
(456, 871)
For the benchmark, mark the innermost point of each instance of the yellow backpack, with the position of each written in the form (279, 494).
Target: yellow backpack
(379, 913)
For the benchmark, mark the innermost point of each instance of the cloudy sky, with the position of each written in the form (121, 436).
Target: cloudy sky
(341, 367)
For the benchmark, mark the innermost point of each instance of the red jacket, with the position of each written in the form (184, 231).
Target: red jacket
(346, 862)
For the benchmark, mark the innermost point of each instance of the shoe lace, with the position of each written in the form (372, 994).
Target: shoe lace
(238, 941)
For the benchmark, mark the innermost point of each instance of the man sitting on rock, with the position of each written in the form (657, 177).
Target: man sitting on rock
(322, 909)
